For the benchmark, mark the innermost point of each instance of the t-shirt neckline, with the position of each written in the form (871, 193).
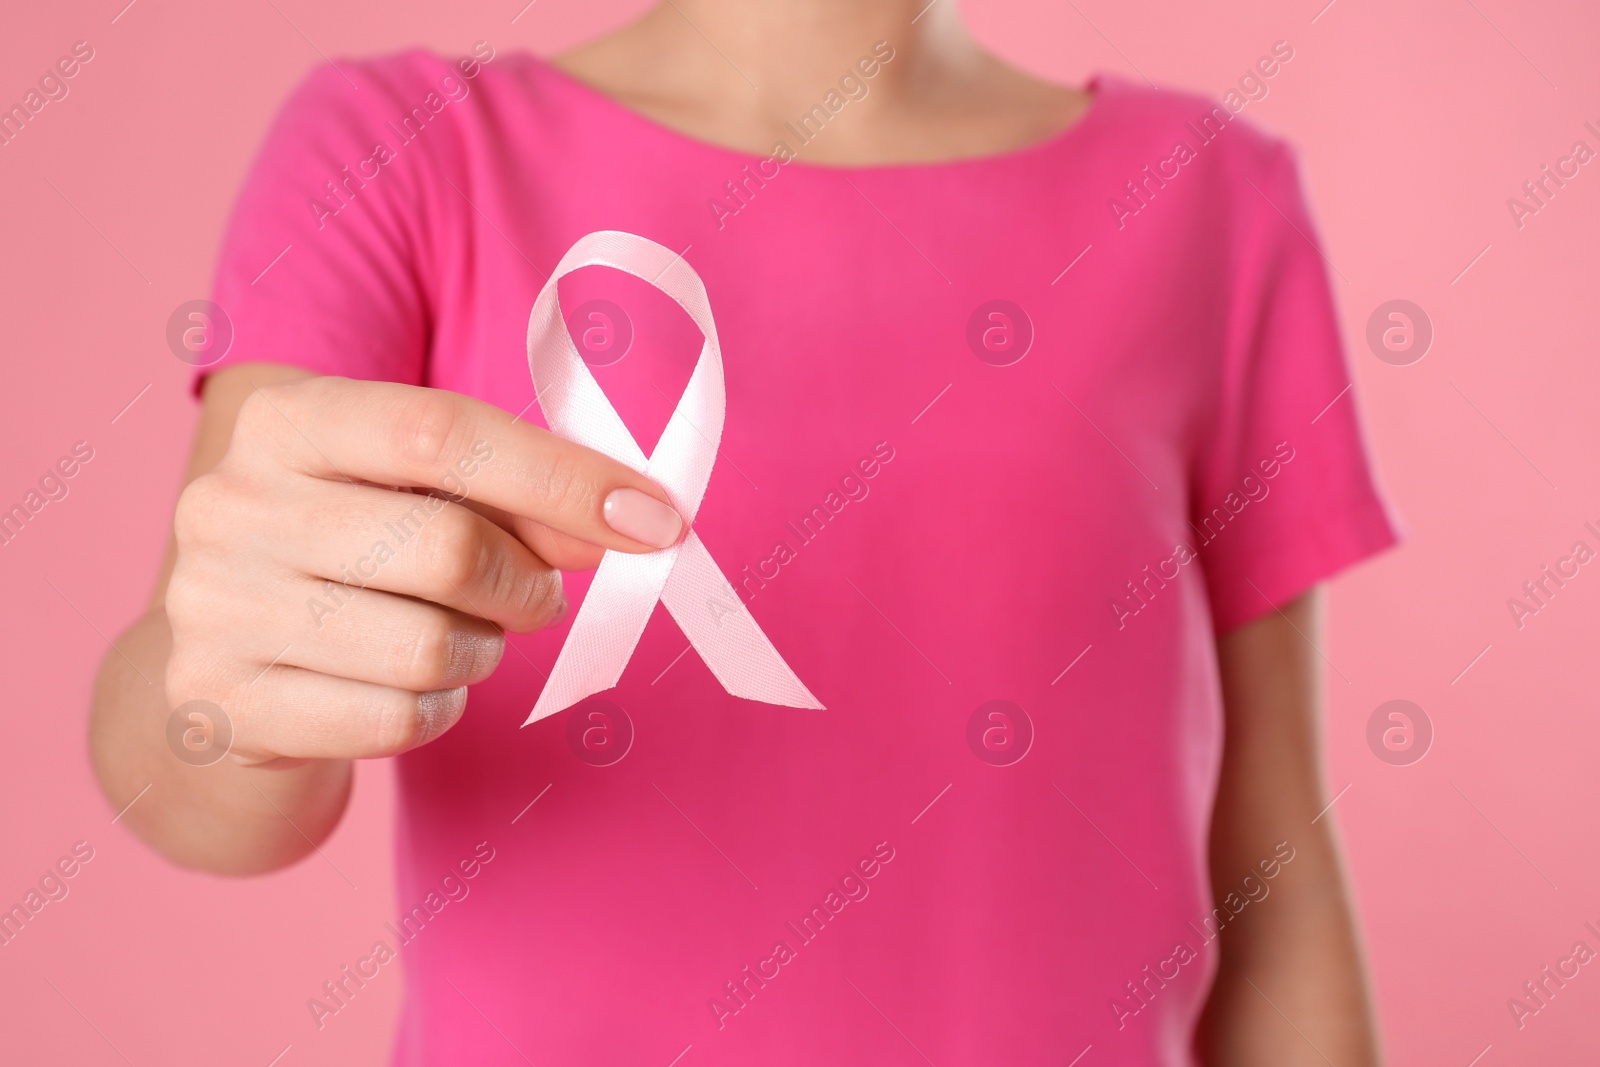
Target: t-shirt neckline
(1095, 86)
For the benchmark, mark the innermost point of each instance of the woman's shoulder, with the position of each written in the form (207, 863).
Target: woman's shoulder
(371, 109)
(404, 78)
(1180, 123)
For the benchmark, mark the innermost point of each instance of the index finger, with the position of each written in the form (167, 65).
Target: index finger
(406, 435)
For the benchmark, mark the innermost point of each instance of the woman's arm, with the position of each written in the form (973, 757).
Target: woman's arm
(1292, 986)
(210, 817)
(287, 492)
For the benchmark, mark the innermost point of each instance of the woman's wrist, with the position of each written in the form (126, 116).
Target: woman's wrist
(218, 814)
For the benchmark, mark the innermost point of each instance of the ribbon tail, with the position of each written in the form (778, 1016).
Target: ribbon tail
(610, 622)
(725, 634)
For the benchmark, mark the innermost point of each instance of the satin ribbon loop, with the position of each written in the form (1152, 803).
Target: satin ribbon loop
(684, 577)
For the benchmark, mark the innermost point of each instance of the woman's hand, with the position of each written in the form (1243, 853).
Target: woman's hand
(347, 558)
(331, 616)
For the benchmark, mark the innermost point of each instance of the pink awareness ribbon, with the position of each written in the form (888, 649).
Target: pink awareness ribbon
(684, 577)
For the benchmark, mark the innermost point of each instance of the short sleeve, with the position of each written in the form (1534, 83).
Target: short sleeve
(1283, 495)
(319, 265)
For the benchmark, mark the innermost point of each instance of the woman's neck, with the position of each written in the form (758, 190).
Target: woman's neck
(735, 71)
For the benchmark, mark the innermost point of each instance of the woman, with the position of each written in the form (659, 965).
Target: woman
(1036, 450)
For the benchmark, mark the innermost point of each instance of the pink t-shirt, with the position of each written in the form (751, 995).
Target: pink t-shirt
(1009, 441)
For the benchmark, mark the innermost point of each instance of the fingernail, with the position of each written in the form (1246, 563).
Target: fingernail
(469, 652)
(643, 518)
(440, 709)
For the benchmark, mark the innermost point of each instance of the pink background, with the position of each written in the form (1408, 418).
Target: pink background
(1474, 867)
